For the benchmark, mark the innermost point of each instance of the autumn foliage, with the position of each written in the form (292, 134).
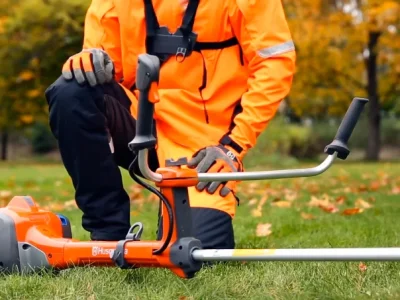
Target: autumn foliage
(332, 43)
(345, 49)
(35, 37)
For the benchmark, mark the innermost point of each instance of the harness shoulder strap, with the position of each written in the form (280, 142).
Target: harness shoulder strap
(189, 16)
(151, 18)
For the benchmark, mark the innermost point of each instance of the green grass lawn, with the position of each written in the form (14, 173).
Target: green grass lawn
(373, 188)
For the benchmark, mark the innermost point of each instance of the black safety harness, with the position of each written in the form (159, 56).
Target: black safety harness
(160, 42)
(165, 45)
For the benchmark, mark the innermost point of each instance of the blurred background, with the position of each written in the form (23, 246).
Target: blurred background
(345, 49)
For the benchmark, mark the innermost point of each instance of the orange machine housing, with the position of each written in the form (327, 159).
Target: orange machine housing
(34, 239)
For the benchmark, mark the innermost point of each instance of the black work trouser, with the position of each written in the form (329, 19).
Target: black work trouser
(82, 118)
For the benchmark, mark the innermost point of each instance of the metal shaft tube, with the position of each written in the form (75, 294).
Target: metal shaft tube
(149, 174)
(269, 174)
(313, 254)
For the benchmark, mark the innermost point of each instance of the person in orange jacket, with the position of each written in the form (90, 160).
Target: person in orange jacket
(226, 66)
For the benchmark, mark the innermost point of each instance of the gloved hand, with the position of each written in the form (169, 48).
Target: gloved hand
(90, 65)
(215, 159)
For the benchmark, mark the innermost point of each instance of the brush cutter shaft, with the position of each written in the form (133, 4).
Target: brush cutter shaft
(313, 254)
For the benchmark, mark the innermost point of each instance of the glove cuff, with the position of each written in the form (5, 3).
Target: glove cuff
(232, 154)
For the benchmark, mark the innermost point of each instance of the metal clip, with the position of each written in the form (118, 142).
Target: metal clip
(118, 256)
(180, 54)
(135, 236)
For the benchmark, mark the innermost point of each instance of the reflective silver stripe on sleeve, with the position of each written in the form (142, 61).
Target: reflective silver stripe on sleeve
(276, 50)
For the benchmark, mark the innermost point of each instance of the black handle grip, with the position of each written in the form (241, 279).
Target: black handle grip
(147, 73)
(346, 128)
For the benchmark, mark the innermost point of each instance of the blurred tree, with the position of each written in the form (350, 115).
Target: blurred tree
(36, 37)
(346, 48)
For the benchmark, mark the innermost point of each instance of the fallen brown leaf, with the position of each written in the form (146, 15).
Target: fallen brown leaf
(282, 203)
(395, 190)
(383, 175)
(298, 183)
(347, 190)
(362, 267)
(256, 213)
(263, 229)
(366, 176)
(374, 185)
(276, 192)
(252, 202)
(313, 188)
(361, 203)
(341, 199)
(323, 203)
(136, 192)
(307, 216)
(5, 195)
(152, 198)
(252, 187)
(329, 209)
(290, 195)
(56, 206)
(362, 188)
(263, 200)
(352, 211)
(70, 204)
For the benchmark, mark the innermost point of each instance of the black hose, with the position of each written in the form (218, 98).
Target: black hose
(163, 200)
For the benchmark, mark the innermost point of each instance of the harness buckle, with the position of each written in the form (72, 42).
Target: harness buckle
(180, 54)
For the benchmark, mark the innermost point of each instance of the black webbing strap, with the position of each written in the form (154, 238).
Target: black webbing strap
(187, 23)
(215, 45)
(151, 18)
(188, 18)
(152, 25)
(227, 141)
(163, 44)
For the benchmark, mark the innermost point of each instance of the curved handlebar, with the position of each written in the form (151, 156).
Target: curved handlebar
(144, 167)
(148, 73)
(276, 174)
(241, 176)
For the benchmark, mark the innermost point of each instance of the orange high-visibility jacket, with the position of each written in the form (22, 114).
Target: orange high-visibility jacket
(244, 84)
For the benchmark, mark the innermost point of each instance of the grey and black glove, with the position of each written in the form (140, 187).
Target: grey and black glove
(215, 159)
(90, 65)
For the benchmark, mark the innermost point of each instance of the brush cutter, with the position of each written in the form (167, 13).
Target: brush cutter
(33, 239)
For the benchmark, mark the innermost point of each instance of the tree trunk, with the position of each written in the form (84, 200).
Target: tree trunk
(374, 113)
(4, 144)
